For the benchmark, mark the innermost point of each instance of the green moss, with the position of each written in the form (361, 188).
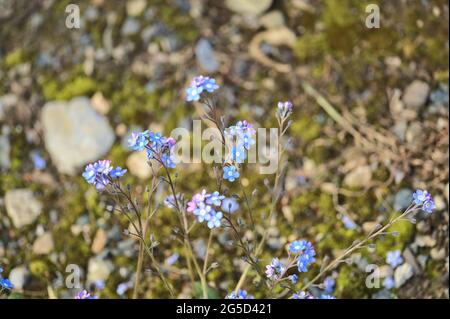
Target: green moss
(390, 242)
(82, 85)
(38, 268)
(350, 283)
(14, 58)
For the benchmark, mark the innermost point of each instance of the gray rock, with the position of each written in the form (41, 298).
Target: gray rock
(44, 244)
(130, 26)
(359, 177)
(415, 135)
(136, 7)
(19, 277)
(416, 94)
(22, 207)
(205, 55)
(402, 274)
(99, 269)
(75, 134)
(248, 7)
(5, 149)
(272, 20)
(403, 199)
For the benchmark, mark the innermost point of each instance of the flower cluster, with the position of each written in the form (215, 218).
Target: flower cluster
(5, 283)
(307, 295)
(284, 109)
(239, 138)
(101, 173)
(207, 207)
(156, 145)
(84, 295)
(305, 254)
(425, 200)
(275, 270)
(242, 294)
(198, 85)
(394, 259)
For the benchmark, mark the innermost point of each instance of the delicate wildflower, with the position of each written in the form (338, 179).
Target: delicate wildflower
(284, 109)
(170, 201)
(215, 199)
(203, 212)
(214, 219)
(297, 246)
(198, 85)
(429, 206)
(306, 253)
(230, 205)
(394, 258)
(293, 278)
(302, 295)
(424, 199)
(84, 295)
(138, 141)
(100, 173)
(230, 173)
(172, 259)
(275, 269)
(238, 154)
(6, 284)
(117, 172)
(389, 282)
(348, 223)
(122, 288)
(421, 196)
(329, 283)
(242, 294)
(239, 138)
(99, 284)
(38, 161)
(325, 296)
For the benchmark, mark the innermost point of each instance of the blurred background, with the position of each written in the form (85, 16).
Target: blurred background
(370, 126)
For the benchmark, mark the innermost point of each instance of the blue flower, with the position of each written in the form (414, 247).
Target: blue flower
(389, 282)
(215, 199)
(100, 173)
(429, 206)
(230, 205)
(284, 109)
(297, 246)
(394, 258)
(348, 223)
(170, 200)
(329, 283)
(293, 278)
(117, 172)
(168, 161)
(302, 295)
(306, 251)
(203, 211)
(242, 294)
(6, 284)
(238, 154)
(230, 173)
(84, 295)
(325, 296)
(198, 85)
(214, 219)
(421, 196)
(38, 161)
(275, 269)
(138, 141)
